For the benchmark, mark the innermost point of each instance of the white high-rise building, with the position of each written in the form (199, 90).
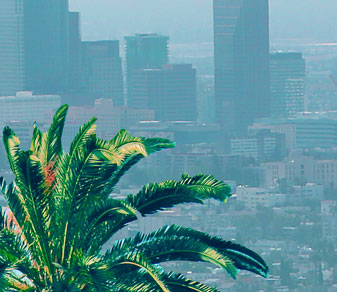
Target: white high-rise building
(11, 47)
(26, 107)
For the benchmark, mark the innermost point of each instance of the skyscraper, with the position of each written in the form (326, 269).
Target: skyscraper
(241, 58)
(144, 51)
(11, 47)
(46, 45)
(287, 83)
(169, 91)
(102, 75)
(74, 39)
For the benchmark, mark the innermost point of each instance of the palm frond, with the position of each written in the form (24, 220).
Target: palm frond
(90, 272)
(135, 281)
(51, 144)
(36, 140)
(178, 283)
(172, 243)
(86, 132)
(91, 174)
(185, 249)
(133, 150)
(242, 257)
(16, 252)
(25, 198)
(136, 260)
(15, 258)
(82, 186)
(101, 222)
(159, 196)
(61, 214)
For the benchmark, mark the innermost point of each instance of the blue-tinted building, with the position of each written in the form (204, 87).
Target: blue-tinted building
(46, 45)
(241, 51)
(11, 47)
(144, 51)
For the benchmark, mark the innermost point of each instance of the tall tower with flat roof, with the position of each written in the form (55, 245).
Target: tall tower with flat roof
(11, 47)
(46, 39)
(144, 51)
(241, 58)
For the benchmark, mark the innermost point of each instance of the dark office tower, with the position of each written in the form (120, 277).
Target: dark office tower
(11, 47)
(102, 71)
(144, 51)
(169, 91)
(46, 45)
(74, 34)
(287, 84)
(241, 52)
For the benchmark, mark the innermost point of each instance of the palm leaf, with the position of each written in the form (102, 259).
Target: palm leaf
(141, 282)
(36, 140)
(135, 281)
(51, 144)
(178, 243)
(63, 214)
(124, 262)
(159, 196)
(86, 132)
(25, 198)
(178, 283)
(15, 251)
(133, 150)
(172, 248)
(90, 272)
(101, 222)
(242, 257)
(86, 177)
(91, 174)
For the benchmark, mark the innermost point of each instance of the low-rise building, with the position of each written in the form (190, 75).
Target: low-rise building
(309, 191)
(299, 170)
(254, 197)
(272, 173)
(307, 132)
(262, 146)
(329, 220)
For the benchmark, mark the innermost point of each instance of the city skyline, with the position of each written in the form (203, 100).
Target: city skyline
(293, 20)
(257, 111)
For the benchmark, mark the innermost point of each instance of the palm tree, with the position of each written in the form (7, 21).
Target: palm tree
(61, 213)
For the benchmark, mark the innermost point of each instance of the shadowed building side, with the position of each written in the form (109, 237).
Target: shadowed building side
(169, 91)
(287, 84)
(46, 45)
(102, 75)
(144, 51)
(241, 56)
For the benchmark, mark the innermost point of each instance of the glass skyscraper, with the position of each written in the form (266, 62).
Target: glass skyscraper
(287, 83)
(144, 51)
(169, 91)
(46, 39)
(102, 75)
(241, 52)
(11, 47)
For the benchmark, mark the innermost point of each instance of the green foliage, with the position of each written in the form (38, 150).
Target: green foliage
(61, 213)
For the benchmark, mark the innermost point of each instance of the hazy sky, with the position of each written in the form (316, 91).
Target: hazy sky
(191, 20)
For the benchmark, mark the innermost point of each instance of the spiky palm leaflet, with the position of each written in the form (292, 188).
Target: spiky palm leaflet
(61, 213)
